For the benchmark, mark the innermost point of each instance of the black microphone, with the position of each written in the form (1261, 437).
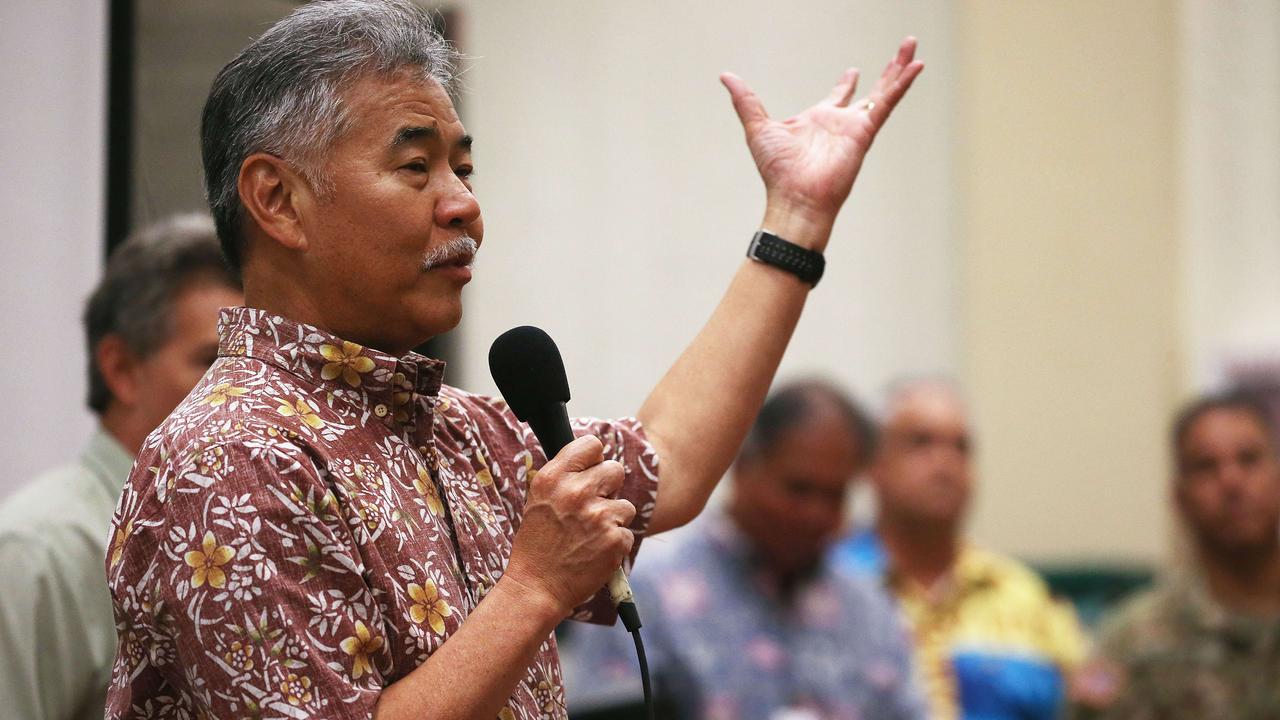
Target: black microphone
(526, 365)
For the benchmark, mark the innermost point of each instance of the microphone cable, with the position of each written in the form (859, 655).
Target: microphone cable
(630, 616)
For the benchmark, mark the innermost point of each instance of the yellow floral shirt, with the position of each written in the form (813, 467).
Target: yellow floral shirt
(314, 521)
(990, 641)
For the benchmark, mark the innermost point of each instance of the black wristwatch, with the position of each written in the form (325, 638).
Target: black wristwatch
(772, 250)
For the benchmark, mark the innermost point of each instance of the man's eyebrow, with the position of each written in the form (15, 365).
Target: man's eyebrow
(407, 135)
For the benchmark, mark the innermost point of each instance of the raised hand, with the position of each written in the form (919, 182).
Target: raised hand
(809, 161)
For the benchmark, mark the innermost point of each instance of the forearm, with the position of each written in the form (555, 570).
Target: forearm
(473, 674)
(698, 414)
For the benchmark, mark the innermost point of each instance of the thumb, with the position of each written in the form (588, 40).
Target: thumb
(745, 101)
(584, 452)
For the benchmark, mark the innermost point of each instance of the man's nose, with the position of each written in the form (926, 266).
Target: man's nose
(1232, 477)
(459, 208)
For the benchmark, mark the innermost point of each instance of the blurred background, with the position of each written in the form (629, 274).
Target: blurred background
(1074, 212)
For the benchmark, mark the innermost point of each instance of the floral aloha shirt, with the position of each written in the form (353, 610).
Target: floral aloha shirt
(313, 521)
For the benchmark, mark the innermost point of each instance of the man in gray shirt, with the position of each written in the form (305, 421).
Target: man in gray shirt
(151, 334)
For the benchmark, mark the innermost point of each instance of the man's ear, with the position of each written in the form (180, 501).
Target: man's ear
(273, 194)
(120, 369)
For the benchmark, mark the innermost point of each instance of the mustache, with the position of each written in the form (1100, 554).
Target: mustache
(458, 251)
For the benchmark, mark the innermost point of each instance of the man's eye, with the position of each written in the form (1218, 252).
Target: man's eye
(465, 172)
(416, 166)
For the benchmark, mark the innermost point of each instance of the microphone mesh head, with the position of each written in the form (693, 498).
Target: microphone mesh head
(526, 365)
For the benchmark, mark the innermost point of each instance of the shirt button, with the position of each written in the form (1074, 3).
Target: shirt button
(380, 410)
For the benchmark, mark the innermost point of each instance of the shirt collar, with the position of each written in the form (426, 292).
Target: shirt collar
(383, 384)
(972, 571)
(108, 460)
(1211, 616)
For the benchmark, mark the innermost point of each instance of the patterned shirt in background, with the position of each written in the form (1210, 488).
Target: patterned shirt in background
(992, 645)
(724, 645)
(1174, 653)
(314, 521)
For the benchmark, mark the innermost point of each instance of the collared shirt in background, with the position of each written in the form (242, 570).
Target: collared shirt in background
(991, 643)
(57, 635)
(1173, 652)
(725, 642)
(314, 521)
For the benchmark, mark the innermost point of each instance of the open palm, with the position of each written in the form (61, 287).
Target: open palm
(811, 159)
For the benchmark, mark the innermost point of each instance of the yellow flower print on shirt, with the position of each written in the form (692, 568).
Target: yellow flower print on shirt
(360, 647)
(345, 361)
(425, 486)
(117, 546)
(238, 656)
(296, 689)
(303, 411)
(547, 696)
(429, 606)
(223, 392)
(484, 477)
(402, 397)
(207, 562)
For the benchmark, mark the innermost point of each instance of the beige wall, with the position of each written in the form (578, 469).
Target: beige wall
(52, 163)
(1230, 114)
(1067, 177)
(1074, 210)
(619, 196)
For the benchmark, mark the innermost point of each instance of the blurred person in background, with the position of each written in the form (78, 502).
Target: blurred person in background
(745, 617)
(1206, 642)
(151, 327)
(990, 641)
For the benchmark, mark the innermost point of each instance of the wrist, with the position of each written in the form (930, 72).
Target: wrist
(797, 223)
(536, 601)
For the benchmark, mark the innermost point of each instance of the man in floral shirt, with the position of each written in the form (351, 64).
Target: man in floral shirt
(747, 619)
(322, 529)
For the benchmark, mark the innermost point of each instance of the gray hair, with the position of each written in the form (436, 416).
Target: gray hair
(145, 274)
(902, 389)
(282, 95)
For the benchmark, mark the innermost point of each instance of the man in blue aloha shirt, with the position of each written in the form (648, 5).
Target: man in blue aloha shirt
(744, 618)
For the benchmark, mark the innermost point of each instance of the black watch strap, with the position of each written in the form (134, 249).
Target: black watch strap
(772, 250)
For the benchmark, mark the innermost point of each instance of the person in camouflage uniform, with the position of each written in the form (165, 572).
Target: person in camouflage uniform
(1206, 644)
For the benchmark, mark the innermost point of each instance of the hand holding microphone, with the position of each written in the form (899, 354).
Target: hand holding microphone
(574, 534)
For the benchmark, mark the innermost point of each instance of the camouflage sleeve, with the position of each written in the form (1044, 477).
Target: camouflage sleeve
(1103, 687)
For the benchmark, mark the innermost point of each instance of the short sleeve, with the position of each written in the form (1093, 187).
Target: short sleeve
(624, 441)
(1064, 636)
(242, 593)
(47, 649)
